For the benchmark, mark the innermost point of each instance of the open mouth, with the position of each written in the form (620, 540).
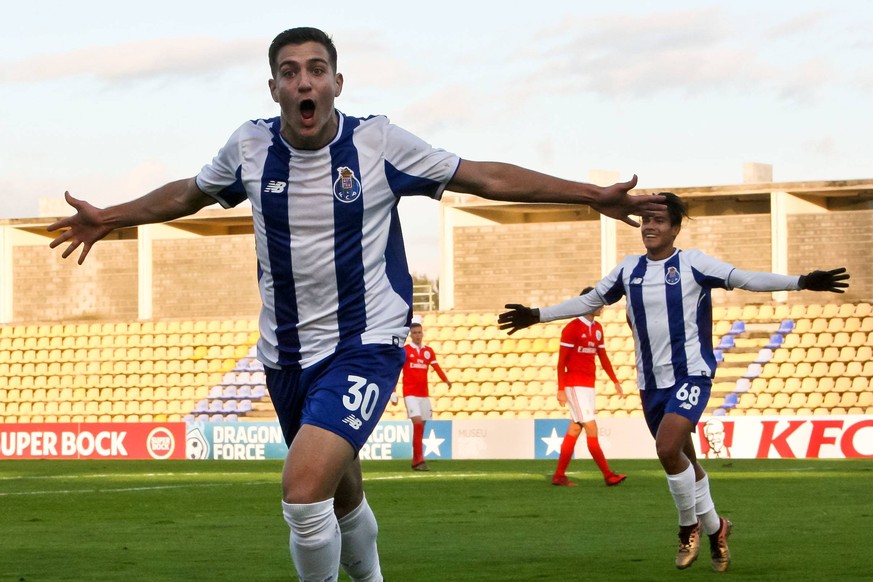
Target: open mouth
(307, 109)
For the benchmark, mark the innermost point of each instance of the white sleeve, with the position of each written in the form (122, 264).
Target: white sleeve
(713, 273)
(756, 281)
(607, 291)
(573, 307)
(415, 168)
(221, 177)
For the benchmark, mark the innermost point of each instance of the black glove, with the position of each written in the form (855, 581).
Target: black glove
(825, 280)
(519, 318)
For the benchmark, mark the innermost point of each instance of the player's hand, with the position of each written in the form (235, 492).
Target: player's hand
(394, 398)
(81, 229)
(519, 318)
(825, 280)
(562, 398)
(619, 391)
(616, 202)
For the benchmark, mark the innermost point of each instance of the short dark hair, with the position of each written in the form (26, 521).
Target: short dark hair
(676, 208)
(301, 35)
(414, 324)
(587, 290)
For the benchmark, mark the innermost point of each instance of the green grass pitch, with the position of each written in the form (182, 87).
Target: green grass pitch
(465, 520)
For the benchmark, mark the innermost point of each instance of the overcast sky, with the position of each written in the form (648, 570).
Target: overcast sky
(111, 99)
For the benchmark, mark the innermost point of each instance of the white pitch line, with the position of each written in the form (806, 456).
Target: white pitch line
(434, 475)
(127, 489)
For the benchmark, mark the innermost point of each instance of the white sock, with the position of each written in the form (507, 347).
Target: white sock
(682, 490)
(315, 540)
(360, 556)
(705, 508)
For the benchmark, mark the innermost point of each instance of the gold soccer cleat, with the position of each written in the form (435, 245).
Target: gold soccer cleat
(689, 545)
(718, 548)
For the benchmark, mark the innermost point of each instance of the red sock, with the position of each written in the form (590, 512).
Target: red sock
(597, 455)
(417, 436)
(567, 448)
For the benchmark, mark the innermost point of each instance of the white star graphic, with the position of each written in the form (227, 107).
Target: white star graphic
(553, 442)
(432, 444)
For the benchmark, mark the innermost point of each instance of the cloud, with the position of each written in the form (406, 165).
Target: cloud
(692, 52)
(800, 24)
(137, 60)
(372, 64)
(448, 107)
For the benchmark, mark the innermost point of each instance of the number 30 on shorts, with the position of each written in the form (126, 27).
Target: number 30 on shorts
(684, 394)
(362, 396)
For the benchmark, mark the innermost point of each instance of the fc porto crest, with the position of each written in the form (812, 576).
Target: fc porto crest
(347, 187)
(672, 276)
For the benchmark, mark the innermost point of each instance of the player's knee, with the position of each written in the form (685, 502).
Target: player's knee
(302, 492)
(312, 524)
(668, 454)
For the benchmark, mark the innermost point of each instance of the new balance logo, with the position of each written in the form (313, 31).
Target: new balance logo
(636, 281)
(275, 187)
(353, 421)
(685, 406)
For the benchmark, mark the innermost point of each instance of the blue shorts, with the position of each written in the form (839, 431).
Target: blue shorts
(688, 398)
(345, 393)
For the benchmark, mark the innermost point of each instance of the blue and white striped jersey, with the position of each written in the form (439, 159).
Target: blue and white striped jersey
(669, 309)
(332, 267)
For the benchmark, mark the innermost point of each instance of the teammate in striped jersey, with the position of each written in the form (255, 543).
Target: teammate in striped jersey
(669, 310)
(332, 274)
(581, 340)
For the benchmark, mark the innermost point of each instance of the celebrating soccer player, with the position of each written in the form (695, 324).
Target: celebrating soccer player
(332, 274)
(670, 312)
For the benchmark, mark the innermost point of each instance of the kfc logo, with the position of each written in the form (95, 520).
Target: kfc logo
(716, 438)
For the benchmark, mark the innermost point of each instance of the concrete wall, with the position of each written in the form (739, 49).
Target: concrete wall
(537, 263)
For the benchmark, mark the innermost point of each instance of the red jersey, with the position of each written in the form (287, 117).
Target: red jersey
(580, 340)
(418, 359)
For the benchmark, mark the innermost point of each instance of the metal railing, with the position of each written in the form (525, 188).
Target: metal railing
(424, 298)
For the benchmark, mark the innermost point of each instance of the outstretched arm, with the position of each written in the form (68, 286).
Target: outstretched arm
(518, 317)
(509, 183)
(90, 224)
(833, 281)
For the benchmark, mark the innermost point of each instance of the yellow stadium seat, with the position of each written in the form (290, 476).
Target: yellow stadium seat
(835, 369)
(763, 401)
(825, 384)
(815, 400)
(860, 384)
(864, 354)
(792, 340)
(848, 399)
(804, 369)
(831, 400)
(819, 370)
(797, 400)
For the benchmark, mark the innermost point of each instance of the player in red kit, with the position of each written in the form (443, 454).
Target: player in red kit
(581, 339)
(419, 358)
